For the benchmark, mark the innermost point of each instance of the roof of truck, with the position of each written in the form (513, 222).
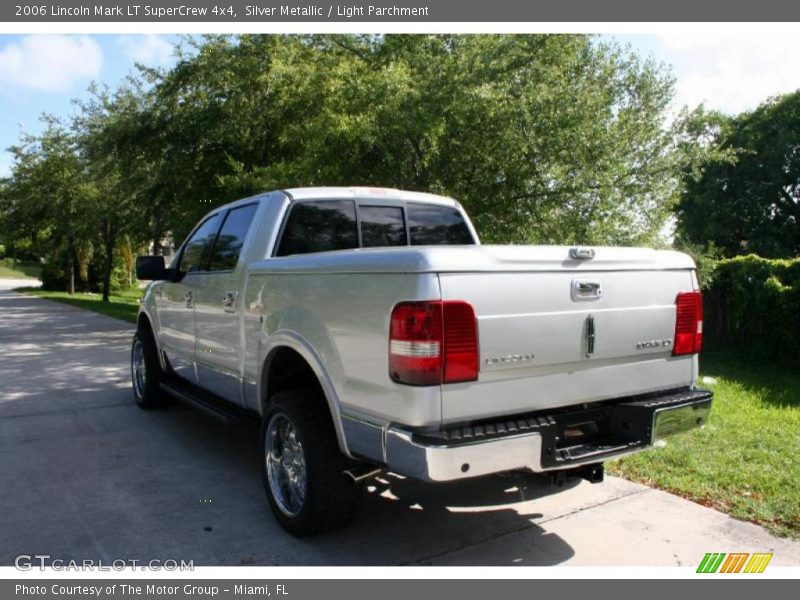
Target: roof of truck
(322, 193)
(338, 193)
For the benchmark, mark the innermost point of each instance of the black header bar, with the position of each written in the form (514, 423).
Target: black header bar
(411, 11)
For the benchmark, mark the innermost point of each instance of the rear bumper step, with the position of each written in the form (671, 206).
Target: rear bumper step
(544, 442)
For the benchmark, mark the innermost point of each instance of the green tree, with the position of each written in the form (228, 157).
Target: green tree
(545, 139)
(47, 193)
(120, 203)
(751, 203)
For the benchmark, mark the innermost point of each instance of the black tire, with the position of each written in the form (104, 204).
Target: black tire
(147, 393)
(331, 498)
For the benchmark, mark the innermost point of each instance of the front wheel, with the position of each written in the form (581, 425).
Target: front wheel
(302, 467)
(146, 373)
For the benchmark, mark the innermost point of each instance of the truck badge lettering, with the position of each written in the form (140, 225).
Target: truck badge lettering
(508, 358)
(644, 344)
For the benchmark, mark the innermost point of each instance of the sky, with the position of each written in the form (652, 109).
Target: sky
(44, 73)
(727, 71)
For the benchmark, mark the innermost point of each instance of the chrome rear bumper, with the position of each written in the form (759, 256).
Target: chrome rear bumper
(447, 463)
(540, 442)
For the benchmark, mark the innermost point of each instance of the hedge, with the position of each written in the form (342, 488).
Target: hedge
(754, 303)
(54, 274)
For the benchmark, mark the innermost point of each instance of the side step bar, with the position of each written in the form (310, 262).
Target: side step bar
(208, 403)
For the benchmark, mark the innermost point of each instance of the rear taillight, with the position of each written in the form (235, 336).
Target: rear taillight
(433, 342)
(688, 323)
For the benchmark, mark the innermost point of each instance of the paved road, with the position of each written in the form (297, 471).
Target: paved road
(86, 474)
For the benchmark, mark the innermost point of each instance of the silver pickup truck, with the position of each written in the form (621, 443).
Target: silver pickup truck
(368, 329)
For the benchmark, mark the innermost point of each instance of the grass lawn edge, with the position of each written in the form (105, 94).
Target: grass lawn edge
(121, 306)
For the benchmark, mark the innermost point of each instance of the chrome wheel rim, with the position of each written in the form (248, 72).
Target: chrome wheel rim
(138, 368)
(286, 465)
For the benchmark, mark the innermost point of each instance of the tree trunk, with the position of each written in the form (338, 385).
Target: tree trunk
(110, 239)
(157, 247)
(158, 236)
(70, 266)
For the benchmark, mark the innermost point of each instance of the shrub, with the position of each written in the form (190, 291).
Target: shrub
(754, 302)
(88, 276)
(54, 271)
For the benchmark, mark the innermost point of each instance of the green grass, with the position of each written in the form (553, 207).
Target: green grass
(19, 270)
(122, 305)
(746, 461)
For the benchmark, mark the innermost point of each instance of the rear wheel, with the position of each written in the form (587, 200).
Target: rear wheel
(302, 466)
(146, 373)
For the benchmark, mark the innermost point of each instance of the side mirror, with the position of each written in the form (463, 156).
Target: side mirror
(152, 268)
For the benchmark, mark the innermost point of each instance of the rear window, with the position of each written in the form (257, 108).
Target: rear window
(320, 227)
(431, 225)
(382, 226)
(325, 225)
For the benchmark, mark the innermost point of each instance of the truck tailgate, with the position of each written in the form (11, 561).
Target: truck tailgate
(562, 332)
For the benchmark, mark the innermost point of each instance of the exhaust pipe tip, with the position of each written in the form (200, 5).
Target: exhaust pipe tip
(362, 472)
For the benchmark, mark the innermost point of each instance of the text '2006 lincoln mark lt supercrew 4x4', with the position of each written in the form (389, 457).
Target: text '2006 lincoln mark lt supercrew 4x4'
(368, 329)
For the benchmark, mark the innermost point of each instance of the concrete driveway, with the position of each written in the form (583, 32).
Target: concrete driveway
(85, 474)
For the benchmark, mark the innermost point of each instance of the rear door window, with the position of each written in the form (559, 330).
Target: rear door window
(433, 225)
(320, 227)
(382, 226)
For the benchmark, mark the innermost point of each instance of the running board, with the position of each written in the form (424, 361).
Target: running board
(208, 403)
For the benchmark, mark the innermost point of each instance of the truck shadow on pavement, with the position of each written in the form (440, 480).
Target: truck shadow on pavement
(461, 517)
(401, 521)
(112, 481)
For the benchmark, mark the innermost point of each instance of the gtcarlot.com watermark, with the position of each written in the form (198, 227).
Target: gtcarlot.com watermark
(28, 562)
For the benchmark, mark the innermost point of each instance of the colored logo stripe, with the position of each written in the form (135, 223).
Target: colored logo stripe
(734, 562)
(713, 562)
(758, 563)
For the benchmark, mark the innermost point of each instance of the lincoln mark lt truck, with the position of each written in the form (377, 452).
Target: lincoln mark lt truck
(368, 329)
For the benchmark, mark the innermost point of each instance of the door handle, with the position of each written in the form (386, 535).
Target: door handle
(189, 297)
(228, 302)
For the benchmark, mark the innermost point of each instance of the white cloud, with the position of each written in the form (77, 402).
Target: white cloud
(151, 50)
(50, 63)
(731, 72)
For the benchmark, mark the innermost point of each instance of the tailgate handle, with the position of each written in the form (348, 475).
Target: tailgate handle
(586, 289)
(581, 253)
